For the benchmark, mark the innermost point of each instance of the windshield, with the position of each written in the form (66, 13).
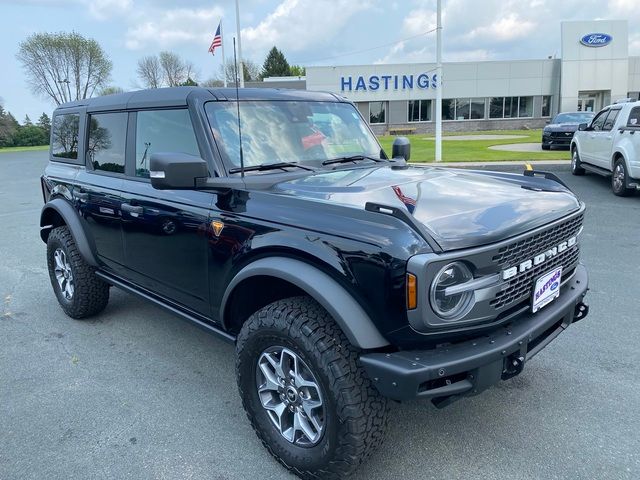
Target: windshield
(290, 131)
(577, 117)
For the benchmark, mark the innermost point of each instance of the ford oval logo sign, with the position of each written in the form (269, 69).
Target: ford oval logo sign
(596, 40)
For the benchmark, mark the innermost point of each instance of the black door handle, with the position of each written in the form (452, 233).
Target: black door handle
(133, 210)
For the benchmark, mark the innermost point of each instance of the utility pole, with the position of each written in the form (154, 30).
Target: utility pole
(240, 44)
(439, 83)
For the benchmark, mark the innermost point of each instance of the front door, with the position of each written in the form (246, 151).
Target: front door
(587, 104)
(603, 141)
(165, 232)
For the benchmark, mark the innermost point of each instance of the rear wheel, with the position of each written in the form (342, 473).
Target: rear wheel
(304, 391)
(79, 291)
(619, 179)
(576, 168)
(546, 147)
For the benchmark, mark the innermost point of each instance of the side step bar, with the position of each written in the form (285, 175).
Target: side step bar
(193, 318)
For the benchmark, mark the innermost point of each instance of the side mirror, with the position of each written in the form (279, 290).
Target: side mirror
(583, 126)
(176, 171)
(401, 148)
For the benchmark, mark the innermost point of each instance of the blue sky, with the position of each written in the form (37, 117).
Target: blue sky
(310, 32)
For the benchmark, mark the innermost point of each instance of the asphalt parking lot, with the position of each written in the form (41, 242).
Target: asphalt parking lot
(136, 393)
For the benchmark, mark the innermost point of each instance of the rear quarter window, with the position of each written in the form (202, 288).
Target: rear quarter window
(634, 117)
(64, 137)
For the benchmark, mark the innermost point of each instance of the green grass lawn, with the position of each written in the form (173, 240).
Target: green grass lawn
(23, 149)
(423, 147)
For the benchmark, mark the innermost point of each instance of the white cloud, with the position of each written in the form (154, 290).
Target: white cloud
(171, 27)
(295, 25)
(103, 9)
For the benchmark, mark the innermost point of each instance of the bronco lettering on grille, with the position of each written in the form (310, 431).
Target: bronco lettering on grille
(538, 259)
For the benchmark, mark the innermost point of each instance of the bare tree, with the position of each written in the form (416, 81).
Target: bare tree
(64, 66)
(251, 71)
(150, 72)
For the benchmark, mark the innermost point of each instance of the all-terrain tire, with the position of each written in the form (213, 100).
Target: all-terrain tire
(90, 294)
(356, 414)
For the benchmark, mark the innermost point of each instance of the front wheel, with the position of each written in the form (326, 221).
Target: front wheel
(546, 147)
(619, 179)
(304, 391)
(79, 291)
(576, 168)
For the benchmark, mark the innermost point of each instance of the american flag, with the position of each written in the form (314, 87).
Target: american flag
(409, 202)
(217, 41)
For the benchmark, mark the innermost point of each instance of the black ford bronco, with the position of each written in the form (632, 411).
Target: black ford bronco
(344, 276)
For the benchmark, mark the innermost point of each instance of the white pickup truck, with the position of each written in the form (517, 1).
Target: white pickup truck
(610, 145)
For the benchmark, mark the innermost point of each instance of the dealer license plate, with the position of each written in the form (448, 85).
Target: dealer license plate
(546, 289)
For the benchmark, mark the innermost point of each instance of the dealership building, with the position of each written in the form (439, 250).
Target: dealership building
(594, 69)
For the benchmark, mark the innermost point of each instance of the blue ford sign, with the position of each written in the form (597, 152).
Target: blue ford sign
(388, 82)
(596, 39)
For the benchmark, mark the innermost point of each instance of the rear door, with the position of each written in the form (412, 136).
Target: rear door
(165, 232)
(98, 192)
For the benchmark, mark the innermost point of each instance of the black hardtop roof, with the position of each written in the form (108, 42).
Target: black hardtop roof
(177, 96)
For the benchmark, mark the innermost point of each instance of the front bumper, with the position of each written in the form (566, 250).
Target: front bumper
(559, 140)
(444, 374)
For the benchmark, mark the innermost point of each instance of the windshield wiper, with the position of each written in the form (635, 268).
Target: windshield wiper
(270, 166)
(352, 158)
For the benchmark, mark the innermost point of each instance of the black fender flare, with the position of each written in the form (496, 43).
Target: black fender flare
(345, 310)
(72, 219)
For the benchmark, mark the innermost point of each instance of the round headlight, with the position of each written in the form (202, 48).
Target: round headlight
(453, 305)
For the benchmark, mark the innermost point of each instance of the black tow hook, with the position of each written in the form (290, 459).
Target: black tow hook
(581, 311)
(513, 366)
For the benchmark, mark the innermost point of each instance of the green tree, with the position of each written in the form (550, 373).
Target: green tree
(64, 66)
(29, 135)
(27, 121)
(8, 128)
(111, 90)
(275, 65)
(189, 82)
(44, 122)
(297, 71)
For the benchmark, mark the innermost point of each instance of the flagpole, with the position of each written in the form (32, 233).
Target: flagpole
(239, 44)
(224, 66)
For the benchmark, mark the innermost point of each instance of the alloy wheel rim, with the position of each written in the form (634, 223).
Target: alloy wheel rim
(574, 160)
(291, 396)
(618, 177)
(63, 273)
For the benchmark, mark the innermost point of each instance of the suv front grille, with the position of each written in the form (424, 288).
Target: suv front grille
(519, 288)
(515, 253)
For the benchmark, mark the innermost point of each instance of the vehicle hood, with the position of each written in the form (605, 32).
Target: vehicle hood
(561, 127)
(458, 208)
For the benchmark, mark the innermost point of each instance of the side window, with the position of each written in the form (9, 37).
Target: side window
(64, 136)
(634, 118)
(107, 140)
(611, 120)
(598, 121)
(163, 131)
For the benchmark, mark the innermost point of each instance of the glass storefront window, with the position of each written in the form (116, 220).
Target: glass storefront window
(477, 108)
(511, 107)
(419, 110)
(546, 106)
(525, 109)
(448, 109)
(462, 109)
(377, 112)
(496, 107)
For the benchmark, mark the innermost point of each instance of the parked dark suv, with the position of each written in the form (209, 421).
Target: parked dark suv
(344, 277)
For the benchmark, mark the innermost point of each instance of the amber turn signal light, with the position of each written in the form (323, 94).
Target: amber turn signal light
(412, 291)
